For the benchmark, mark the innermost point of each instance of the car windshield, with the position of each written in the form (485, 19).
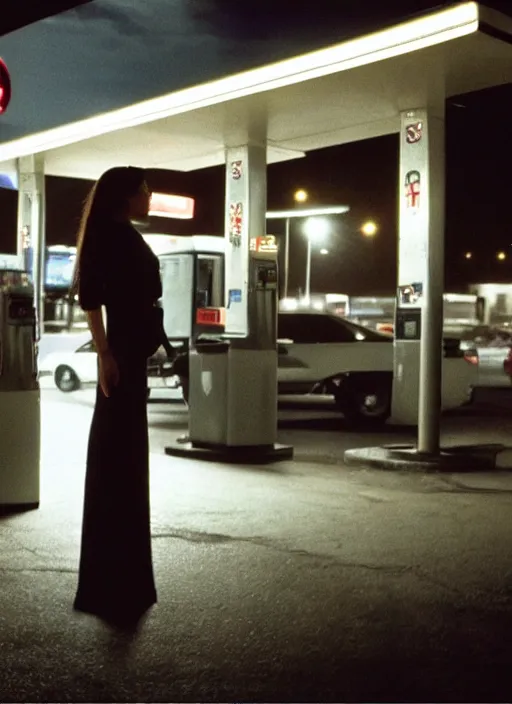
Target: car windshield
(314, 328)
(364, 333)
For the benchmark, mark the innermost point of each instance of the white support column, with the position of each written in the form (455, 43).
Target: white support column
(419, 322)
(31, 239)
(246, 206)
(252, 365)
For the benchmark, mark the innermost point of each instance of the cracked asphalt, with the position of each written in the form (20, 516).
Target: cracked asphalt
(300, 581)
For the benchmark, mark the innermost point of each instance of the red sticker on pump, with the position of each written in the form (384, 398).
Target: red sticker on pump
(209, 316)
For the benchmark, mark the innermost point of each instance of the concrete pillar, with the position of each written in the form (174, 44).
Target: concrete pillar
(31, 239)
(252, 370)
(419, 319)
(246, 206)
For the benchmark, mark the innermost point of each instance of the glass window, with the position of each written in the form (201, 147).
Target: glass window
(311, 329)
(88, 347)
(308, 328)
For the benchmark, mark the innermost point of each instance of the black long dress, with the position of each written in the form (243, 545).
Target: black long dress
(116, 581)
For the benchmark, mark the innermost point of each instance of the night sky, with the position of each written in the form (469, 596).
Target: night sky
(364, 176)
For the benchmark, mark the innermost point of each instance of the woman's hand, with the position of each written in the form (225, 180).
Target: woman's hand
(109, 373)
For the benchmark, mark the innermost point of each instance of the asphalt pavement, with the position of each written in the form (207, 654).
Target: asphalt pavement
(300, 581)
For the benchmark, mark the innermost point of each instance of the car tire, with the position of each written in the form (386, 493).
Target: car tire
(364, 403)
(66, 379)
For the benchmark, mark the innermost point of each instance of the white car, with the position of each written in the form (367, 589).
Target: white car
(493, 344)
(318, 353)
(324, 353)
(77, 368)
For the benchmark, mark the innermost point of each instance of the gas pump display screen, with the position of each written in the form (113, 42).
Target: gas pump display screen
(59, 270)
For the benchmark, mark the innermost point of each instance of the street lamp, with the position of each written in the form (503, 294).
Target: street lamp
(369, 229)
(316, 230)
(300, 196)
(469, 255)
(501, 256)
(286, 215)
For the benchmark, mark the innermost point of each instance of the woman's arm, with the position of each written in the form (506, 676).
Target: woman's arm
(97, 328)
(108, 369)
(92, 286)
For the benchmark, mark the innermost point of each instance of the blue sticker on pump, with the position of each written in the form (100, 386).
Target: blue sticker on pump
(234, 296)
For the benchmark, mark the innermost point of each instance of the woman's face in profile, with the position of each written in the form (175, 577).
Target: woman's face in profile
(139, 203)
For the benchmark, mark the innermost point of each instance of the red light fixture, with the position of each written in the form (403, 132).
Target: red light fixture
(165, 205)
(5, 87)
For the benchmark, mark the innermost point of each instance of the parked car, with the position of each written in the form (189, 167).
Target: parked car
(318, 353)
(491, 342)
(493, 345)
(331, 355)
(77, 368)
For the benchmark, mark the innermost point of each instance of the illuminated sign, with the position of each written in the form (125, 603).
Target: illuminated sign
(5, 87)
(264, 244)
(169, 206)
(210, 316)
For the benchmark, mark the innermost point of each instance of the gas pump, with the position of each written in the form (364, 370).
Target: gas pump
(225, 415)
(223, 412)
(407, 352)
(192, 273)
(19, 394)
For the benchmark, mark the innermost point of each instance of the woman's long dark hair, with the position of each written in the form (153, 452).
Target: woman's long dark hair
(107, 201)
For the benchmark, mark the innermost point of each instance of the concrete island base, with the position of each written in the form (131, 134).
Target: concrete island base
(260, 454)
(464, 458)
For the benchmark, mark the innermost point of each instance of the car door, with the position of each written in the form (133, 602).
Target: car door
(320, 346)
(85, 363)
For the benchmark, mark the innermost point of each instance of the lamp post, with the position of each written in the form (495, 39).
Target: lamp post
(300, 196)
(286, 256)
(287, 215)
(316, 229)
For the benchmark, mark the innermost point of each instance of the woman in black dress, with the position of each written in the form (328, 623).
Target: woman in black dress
(117, 271)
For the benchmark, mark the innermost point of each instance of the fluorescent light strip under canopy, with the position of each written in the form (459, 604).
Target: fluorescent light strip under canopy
(443, 26)
(307, 212)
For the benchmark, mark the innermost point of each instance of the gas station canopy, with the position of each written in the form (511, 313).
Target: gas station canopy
(343, 93)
